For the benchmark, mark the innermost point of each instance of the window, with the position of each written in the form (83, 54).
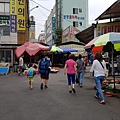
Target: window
(75, 23)
(80, 23)
(1, 7)
(4, 7)
(7, 7)
(5, 29)
(75, 10)
(80, 10)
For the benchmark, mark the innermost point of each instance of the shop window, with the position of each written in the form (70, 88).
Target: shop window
(75, 10)
(5, 30)
(75, 23)
(5, 55)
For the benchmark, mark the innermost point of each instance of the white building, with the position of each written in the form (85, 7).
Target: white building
(67, 13)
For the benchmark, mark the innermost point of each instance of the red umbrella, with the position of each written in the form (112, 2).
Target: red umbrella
(21, 49)
(36, 47)
(31, 48)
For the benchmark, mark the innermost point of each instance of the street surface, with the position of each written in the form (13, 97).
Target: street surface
(18, 102)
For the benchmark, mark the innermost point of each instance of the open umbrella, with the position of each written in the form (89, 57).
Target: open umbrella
(21, 49)
(108, 42)
(36, 47)
(55, 49)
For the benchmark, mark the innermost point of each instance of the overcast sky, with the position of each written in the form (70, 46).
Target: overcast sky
(95, 8)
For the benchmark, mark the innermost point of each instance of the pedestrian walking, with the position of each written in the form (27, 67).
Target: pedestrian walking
(99, 69)
(30, 75)
(44, 71)
(80, 69)
(70, 69)
(21, 63)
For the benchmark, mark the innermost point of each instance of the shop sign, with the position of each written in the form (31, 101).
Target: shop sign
(66, 31)
(13, 23)
(4, 17)
(21, 15)
(13, 7)
(73, 17)
(103, 28)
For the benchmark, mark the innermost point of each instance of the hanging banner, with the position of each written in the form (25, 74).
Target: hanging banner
(13, 7)
(13, 25)
(21, 15)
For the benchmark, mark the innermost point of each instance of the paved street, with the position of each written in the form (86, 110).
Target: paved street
(18, 102)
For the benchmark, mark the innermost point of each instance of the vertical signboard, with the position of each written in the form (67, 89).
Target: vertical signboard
(21, 15)
(13, 7)
(13, 16)
(13, 21)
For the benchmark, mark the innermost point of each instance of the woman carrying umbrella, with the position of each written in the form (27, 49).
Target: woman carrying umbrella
(99, 68)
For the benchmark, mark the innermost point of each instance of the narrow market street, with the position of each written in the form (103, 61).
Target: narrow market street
(18, 102)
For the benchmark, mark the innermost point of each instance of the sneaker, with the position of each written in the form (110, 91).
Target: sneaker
(95, 96)
(46, 87)
(73, 89)
(31, 87)
(81, 86)
(41, 86)
(70, 91)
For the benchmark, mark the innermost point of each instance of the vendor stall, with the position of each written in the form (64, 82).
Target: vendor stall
(4, 68)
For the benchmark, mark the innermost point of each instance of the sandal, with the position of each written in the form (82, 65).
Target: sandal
(96, 97)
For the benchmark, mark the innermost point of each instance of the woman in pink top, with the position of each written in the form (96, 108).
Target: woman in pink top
(70, 67)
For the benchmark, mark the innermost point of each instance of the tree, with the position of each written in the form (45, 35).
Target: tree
(58, 33)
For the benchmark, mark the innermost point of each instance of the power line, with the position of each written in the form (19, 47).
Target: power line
(41, 6)
(39, 9)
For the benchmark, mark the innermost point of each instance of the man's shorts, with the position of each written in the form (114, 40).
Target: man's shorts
(45, 76)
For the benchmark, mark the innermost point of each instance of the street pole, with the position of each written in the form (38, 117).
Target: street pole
(29, 24)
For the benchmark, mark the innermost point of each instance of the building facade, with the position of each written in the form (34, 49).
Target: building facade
(14, 26)
(75, 14)
(50, 26)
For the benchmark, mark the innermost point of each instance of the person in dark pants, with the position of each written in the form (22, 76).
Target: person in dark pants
(80, 69)
(44, 70)
(70, 69)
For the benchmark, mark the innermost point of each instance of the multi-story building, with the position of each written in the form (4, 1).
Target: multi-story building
(13, 26)
(50, 27)
(68, 13)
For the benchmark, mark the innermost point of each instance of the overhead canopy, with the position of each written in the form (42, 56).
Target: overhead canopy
(86, 35)
(31, 48)
(112, 12)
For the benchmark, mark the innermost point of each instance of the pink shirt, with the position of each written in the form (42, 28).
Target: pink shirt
(70, 66)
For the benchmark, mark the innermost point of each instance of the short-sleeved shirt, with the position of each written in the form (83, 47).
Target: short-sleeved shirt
(21, 62)
(70, 66)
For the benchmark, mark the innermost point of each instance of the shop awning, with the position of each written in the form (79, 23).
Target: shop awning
(86, 35)
(112, 12)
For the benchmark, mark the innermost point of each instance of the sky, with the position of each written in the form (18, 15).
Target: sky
(95, 8)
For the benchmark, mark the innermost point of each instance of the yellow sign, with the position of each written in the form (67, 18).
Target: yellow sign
(13, 6)
(21, 15)
(103, 28)
(32, 34)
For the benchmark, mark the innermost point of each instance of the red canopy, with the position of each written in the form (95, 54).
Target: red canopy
(36, 47)
(31, 48)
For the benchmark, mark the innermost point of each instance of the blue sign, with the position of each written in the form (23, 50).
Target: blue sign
(13, 23)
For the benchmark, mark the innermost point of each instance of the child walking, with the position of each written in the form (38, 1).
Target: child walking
(31, 73)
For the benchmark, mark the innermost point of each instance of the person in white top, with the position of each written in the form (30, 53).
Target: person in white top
(99, 69)
(21, 63)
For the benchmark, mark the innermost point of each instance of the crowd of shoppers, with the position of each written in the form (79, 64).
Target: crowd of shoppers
(72, 69)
